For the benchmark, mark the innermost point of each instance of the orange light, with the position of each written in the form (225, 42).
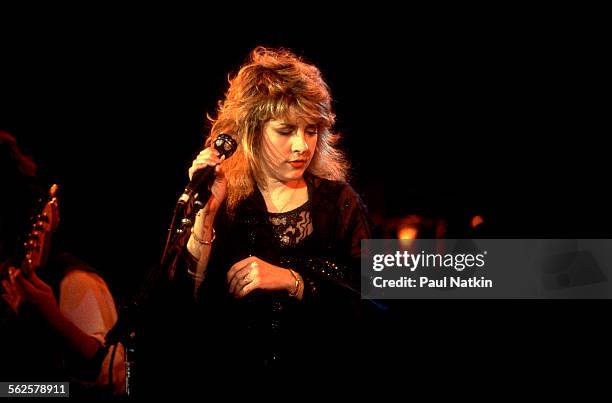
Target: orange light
(407, 233)
(476, 221)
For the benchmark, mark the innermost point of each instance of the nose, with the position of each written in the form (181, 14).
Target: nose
(299, 144)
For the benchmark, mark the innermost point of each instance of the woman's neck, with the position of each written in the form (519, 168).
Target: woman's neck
(281, 196)
(274, 185)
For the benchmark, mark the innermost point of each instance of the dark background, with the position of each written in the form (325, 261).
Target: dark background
(502, 117)
(499, 119)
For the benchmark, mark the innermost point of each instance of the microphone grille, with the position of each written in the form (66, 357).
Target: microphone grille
(225, 145)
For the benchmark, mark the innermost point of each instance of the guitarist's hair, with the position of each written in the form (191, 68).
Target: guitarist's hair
(20, 191)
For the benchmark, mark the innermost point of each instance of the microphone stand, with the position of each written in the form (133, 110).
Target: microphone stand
(125, 329)
(179, 210)
(182, 219)
(124, 332)
(187, 212)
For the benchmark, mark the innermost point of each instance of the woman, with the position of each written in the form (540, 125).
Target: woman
(275, 250)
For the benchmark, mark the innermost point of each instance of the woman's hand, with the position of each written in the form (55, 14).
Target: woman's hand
(210, 157)
(253, 273)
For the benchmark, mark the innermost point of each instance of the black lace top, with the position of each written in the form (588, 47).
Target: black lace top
(321, 240)
(292, 227)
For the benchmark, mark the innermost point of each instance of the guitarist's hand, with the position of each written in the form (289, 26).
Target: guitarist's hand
(10, 293)
(39, 294)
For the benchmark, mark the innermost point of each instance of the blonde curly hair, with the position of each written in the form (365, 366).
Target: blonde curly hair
(273, 84)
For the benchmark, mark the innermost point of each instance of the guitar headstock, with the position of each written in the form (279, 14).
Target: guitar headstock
(38, 242)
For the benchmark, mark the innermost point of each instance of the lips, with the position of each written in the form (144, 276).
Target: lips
(297, 163)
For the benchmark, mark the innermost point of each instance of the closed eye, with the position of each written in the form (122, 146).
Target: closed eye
(312, 130)
(288, 130)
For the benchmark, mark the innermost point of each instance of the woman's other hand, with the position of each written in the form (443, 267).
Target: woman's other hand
(252, 273)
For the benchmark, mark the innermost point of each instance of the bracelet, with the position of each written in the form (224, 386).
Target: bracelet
(297, 284)
(201, 242)
(194, 275)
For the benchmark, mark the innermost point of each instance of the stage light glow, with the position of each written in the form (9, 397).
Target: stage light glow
(407, 232)
(476, 221)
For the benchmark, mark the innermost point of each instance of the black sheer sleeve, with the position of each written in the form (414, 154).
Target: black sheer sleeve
(336, 273)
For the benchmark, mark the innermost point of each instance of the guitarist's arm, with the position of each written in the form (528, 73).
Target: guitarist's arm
(38, 293)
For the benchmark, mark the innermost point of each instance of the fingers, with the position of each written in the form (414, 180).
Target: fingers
(239, 265)
(244, 274)
(234, 277)
(239, 280)
(245, 285)
(244, 291)
(11, 286)
(218, 169)
(26, 285)
(8, 288)
(10, 295)
(37, 282)
(207, 157)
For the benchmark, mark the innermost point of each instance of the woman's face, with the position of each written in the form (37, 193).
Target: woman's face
(288, 146)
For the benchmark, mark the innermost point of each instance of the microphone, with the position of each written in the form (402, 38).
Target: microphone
(225, 145)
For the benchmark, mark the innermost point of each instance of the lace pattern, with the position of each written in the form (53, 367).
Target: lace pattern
(292, 227)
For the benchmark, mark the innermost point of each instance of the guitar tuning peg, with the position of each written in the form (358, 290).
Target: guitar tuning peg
(53, 190)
